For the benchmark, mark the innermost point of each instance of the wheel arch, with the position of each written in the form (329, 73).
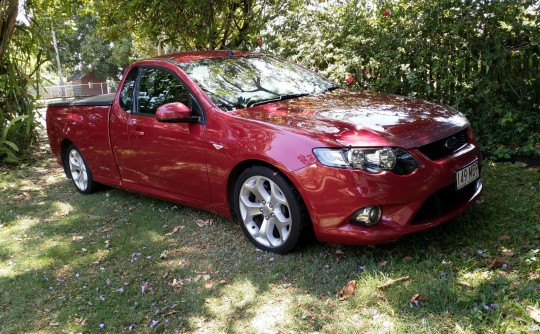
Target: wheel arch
(240, 167)
(64, 145)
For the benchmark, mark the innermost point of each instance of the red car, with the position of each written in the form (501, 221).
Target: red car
(273, 144)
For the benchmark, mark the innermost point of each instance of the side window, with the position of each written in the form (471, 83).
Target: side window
(158, 87)
(126, 94)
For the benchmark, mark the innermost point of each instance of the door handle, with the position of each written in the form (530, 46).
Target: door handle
(137, 133)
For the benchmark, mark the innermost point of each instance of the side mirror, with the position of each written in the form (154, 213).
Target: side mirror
(175, 112)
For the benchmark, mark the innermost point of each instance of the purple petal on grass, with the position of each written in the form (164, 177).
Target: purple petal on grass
(108, 281)
(327, 266)
(77, 275)
(102, 268)
(494, 306)
(102, 298)
(271, 259)
(504, 265)
(121, 290)
(101, 325)
(154, 324)
(480, 252)
(149, 257)
(132, 327)
(144, 286)
(444, 263)
(485, 307)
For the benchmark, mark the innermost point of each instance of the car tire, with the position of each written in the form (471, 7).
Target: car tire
(269, 210)
(78, 170)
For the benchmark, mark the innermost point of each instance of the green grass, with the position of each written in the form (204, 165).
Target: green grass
(70, 263)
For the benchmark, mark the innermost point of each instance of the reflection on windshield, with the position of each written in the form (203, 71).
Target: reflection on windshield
(239, 82)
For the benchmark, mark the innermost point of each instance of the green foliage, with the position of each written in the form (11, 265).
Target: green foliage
(481, 57)
(189, 25)
(19, 67)
(82, 46)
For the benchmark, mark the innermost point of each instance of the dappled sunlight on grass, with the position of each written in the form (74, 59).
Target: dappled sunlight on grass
(126, 262)
(272, 315)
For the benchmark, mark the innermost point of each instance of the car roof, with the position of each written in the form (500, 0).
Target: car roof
(184, 57)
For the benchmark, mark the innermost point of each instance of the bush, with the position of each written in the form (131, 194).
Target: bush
(19, 67)
(481, 57)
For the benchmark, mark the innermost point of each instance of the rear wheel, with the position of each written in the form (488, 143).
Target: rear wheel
(269, 210)
(79, 171)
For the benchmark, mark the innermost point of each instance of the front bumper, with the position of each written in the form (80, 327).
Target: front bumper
(409, 203)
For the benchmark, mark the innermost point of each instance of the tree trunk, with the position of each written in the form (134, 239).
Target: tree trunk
(8, 17)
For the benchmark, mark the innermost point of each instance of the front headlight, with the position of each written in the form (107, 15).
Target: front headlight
(371, 160)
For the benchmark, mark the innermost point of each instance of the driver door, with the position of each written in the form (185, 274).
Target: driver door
(168, 157)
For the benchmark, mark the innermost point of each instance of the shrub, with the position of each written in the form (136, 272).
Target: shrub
(481, 57)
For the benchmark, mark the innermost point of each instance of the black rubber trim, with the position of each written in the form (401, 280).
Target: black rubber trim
(100, 100)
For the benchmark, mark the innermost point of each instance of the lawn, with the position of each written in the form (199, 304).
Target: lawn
(115, 262)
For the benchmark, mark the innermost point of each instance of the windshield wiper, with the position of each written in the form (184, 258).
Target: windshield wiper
(331, 89)
(279, 98)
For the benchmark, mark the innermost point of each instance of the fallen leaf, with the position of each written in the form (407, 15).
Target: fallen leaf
(203, 223)
(22, 196)
(223, 281)
(419, 297)
(392, 282)
(382, 263)
(407, 259)
(497, 262)
(339, 252)
(176, 282)
(417, 300)
(508, 254)
(505, 237)
(174, 230)
(204, 277)
(533, 313)
(465, 284)
(348, 290)
(209, 285)
(163, 254)
(458, 329)
(170, 313)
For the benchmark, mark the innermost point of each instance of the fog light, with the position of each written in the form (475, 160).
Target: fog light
(368, 216)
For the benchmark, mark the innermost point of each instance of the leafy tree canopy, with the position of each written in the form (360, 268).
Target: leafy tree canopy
(190, 24)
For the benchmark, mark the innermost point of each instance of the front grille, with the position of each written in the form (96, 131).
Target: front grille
(440, 149)
(443, 201)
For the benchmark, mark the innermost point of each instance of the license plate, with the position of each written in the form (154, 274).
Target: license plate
(467, 174)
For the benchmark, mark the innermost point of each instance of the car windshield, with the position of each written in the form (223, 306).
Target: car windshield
(240, 82)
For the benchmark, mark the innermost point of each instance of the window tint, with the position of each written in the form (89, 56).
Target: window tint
(158, 87)
(126, 94)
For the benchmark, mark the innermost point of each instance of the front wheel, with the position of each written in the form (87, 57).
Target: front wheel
(79, 171)
(269, 210)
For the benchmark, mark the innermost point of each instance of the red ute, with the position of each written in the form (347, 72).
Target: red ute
(273, 144)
